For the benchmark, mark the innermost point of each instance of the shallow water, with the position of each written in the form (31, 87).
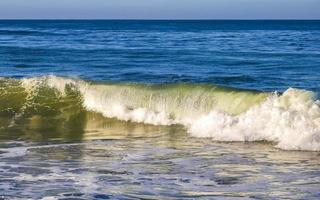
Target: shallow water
(122, 160)
(65, 86)
(168, 165)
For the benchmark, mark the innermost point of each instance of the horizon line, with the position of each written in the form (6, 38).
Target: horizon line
(164, 19)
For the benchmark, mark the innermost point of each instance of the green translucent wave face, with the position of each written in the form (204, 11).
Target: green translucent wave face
(180, 100)
(43, 112)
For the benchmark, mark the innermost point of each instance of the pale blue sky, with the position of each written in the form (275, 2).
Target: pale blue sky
(160, 9)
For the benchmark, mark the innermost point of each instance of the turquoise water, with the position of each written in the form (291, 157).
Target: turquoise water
(159, 109)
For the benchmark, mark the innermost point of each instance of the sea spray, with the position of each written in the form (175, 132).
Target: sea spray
(291, 120)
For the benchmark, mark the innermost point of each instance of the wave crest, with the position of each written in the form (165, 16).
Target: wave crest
(290, 120)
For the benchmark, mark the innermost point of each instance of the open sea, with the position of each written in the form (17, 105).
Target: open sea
(129, 109)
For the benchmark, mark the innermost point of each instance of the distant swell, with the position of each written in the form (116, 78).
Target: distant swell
(290, 120)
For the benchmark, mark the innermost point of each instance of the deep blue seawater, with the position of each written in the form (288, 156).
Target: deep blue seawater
(61, 138)
(263, 55)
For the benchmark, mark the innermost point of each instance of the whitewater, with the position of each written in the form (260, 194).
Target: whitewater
(290, 120)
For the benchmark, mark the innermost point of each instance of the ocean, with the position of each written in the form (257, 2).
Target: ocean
(156, 109)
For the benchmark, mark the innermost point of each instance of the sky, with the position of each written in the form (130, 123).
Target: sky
(159, 9)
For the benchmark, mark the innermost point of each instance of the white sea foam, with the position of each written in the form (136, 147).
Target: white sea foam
(291, 120)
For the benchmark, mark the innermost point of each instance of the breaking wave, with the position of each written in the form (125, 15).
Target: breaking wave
(290, 120)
